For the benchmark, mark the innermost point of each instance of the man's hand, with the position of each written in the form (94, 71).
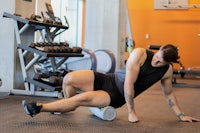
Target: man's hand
(189, 119)
(132, 117)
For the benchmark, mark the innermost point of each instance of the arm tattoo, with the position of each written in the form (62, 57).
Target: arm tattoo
(171, 104)
(129, 100)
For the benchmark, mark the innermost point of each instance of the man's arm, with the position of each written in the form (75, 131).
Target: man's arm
(132, 70)
(166, 84)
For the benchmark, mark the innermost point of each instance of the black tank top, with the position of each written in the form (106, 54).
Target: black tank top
(148, 75)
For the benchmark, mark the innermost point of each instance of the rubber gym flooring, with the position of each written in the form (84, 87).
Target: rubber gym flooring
(154, 114)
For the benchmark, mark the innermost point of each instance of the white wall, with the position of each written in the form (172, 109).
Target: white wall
(6, 44)
(9, 64)
(106, 27)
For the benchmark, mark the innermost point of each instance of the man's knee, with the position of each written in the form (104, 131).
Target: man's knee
(68, 79)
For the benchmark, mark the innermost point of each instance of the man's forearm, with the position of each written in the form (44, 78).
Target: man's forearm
(132, 117)
(129, 101)
(172, 101)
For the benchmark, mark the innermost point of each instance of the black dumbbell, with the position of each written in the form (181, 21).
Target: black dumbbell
(49, 80)
(46, 49)
(68, 50)
(54, 73)
(40, 76)
(76, 50)
(64, 44)
(64, 72)
(32, 45)
(55, 81)
(35, 17)
(18, 15)
(38, 44)
(54, 49)
(44, 44)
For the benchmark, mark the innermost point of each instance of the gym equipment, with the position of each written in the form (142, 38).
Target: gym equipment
(39, 76)
(46, 20)
(56, 81)
(88, 62)
(51, 78)
(50, 13)
(107, 113)
(50, 47)
(154, 47)
(48, 32)
(183, 72)
(16, 14)
(35, 17)
(106, 61)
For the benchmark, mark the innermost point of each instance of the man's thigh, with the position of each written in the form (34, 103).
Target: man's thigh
(81, 79)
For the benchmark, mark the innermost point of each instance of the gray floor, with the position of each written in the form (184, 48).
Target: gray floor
(154, 114)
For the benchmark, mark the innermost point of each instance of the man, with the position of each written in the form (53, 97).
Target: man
(142, 70)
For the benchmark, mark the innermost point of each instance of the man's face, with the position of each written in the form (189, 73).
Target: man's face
(157, 60)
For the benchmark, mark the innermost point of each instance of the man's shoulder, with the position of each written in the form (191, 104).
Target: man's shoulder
(138, 55)
(139, 50)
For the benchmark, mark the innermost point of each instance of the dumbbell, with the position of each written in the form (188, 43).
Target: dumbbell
(64, 72)
(54, 73)
(64, 44)
(47, 21)
(51, 49)
(47, 49)
(39, 44)
(18, 15)
(55, 81)
(76, 49)
(59, 73)
(181, 72)
(32, 45)
(57, 21)
(62, 49)
(68, 50)
(35, 17)
(56, 49)
(39, 76)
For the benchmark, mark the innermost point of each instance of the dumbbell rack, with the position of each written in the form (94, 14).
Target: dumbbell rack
(21, 25)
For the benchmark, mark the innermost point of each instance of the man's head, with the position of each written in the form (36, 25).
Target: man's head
(166, 54)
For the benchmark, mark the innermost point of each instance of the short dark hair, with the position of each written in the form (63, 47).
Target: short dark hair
(170, 53)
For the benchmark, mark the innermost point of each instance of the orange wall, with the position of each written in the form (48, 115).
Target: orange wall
(179, 27)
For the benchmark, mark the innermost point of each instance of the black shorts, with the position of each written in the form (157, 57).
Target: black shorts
(107, 83)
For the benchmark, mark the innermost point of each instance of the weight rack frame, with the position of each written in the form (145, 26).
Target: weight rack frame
(20, 26)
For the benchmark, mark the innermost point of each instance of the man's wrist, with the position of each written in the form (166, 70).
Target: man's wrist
(181, 114)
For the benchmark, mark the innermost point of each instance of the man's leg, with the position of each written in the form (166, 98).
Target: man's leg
(91, 98)
(82, 80)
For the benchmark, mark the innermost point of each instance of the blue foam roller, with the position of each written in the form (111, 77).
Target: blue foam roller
(106, 113)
